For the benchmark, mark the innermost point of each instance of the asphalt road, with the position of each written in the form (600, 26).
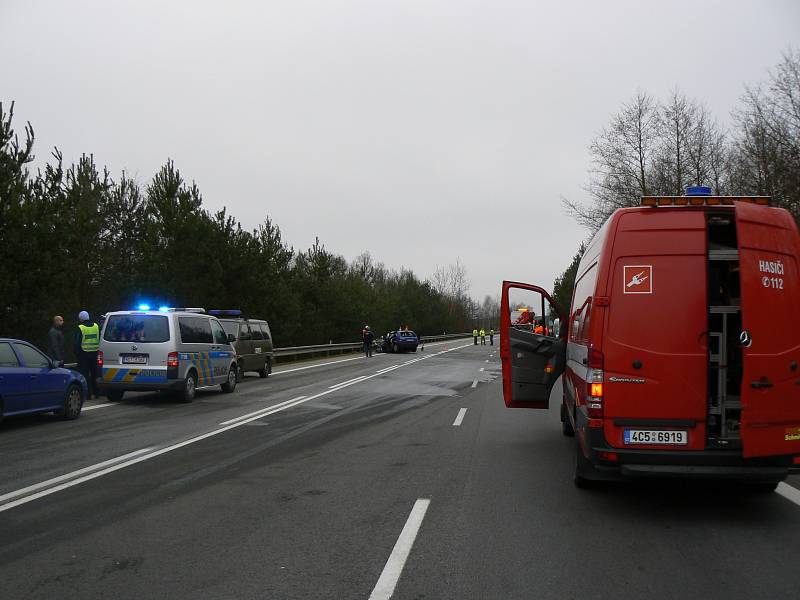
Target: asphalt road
(352, 479)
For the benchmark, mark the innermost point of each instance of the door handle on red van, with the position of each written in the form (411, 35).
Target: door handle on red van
(763, 383)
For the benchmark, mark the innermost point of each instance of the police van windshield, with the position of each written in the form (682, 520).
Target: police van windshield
(230, 327)
(137, 328)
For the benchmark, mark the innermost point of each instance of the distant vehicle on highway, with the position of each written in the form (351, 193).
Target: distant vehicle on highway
(400, 341)
(251, 339)
(172, 349)
(30, 382)
(680, 354)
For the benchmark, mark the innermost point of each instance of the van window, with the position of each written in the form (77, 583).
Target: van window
(244, 332)
(256, 330)
(137, 328)
(7, 356)
(220, 337)
(231, 327)
(265, 331)
(195, 330)
(582, 304)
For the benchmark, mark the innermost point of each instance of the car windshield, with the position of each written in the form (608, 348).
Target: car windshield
(230, 327)
(137, 328)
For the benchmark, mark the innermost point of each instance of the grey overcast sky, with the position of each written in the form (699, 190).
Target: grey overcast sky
(421, 131)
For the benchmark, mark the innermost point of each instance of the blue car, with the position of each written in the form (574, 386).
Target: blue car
(30, 382)
(400, 341)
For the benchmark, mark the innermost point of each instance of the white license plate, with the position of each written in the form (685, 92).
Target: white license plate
(134, 360)
(656, 437)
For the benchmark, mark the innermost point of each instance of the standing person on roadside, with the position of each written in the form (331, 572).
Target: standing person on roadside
(475, 336)
(483, 336)
(491, 337)
(87, 343)
(367, 337)
(55, 340)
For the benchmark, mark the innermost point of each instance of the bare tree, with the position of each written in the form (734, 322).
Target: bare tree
(621, 157)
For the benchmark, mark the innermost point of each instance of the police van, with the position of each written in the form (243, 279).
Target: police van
(681, 348)
(178, 350)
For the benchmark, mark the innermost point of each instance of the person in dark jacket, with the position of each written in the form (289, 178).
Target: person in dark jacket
(55, 340)
(367, 337)
(87, 343)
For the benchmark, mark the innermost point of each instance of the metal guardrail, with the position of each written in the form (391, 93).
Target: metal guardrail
(295, 352)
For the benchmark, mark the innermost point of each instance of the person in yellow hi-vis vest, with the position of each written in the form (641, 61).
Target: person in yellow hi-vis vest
(475, 336)
(483, 336)
(87, 343)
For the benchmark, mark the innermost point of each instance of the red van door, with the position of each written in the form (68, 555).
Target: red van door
(532, 362)
(769, 246)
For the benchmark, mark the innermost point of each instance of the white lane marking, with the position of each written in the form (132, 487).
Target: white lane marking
(487, 360)
(60, 478)
(335, 385)
(143, 457)
(789, 492)
(390, 575)
(474, 383)
(459, 417)
(392, 368)
(255, 412)
(93, 406)
(481, 369)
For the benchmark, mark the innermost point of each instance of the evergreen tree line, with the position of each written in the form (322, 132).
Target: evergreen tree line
(658, 148)
(73, 238)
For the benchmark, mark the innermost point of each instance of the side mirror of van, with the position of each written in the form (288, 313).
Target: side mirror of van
(231, 337)
(533, 356)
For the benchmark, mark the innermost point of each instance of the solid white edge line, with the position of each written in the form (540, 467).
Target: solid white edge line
(790, 493)
(170, 448)
(255, 412)
(93, 406)
(474, 383)
(66, 476)
(460, 417)
(390, 575)
(336, 385)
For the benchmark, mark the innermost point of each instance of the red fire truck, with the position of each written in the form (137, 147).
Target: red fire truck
(680, 352)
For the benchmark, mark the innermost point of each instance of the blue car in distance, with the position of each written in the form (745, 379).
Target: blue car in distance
(400, 341)
(31, 382)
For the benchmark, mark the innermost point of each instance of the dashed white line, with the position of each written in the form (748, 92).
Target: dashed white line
(487, 360)
(474, 383)
(481, 369)
(459, 417)
(390, 575)
(789, 492)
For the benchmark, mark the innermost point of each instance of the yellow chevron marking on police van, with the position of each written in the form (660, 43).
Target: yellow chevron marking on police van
(109, 374)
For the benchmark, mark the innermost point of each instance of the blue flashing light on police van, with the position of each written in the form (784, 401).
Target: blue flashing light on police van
(228, 313)
(698, 190)
(163, 309)
(144, 307)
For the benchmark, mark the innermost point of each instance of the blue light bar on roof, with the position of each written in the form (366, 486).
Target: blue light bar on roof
(698, 190)
(144, 307)
(226, 312)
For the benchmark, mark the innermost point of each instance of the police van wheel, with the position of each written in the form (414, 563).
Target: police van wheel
(230, 385)
(73, 401)
(395, 348)
(266, 370)
(189, 387)
(114, 395)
